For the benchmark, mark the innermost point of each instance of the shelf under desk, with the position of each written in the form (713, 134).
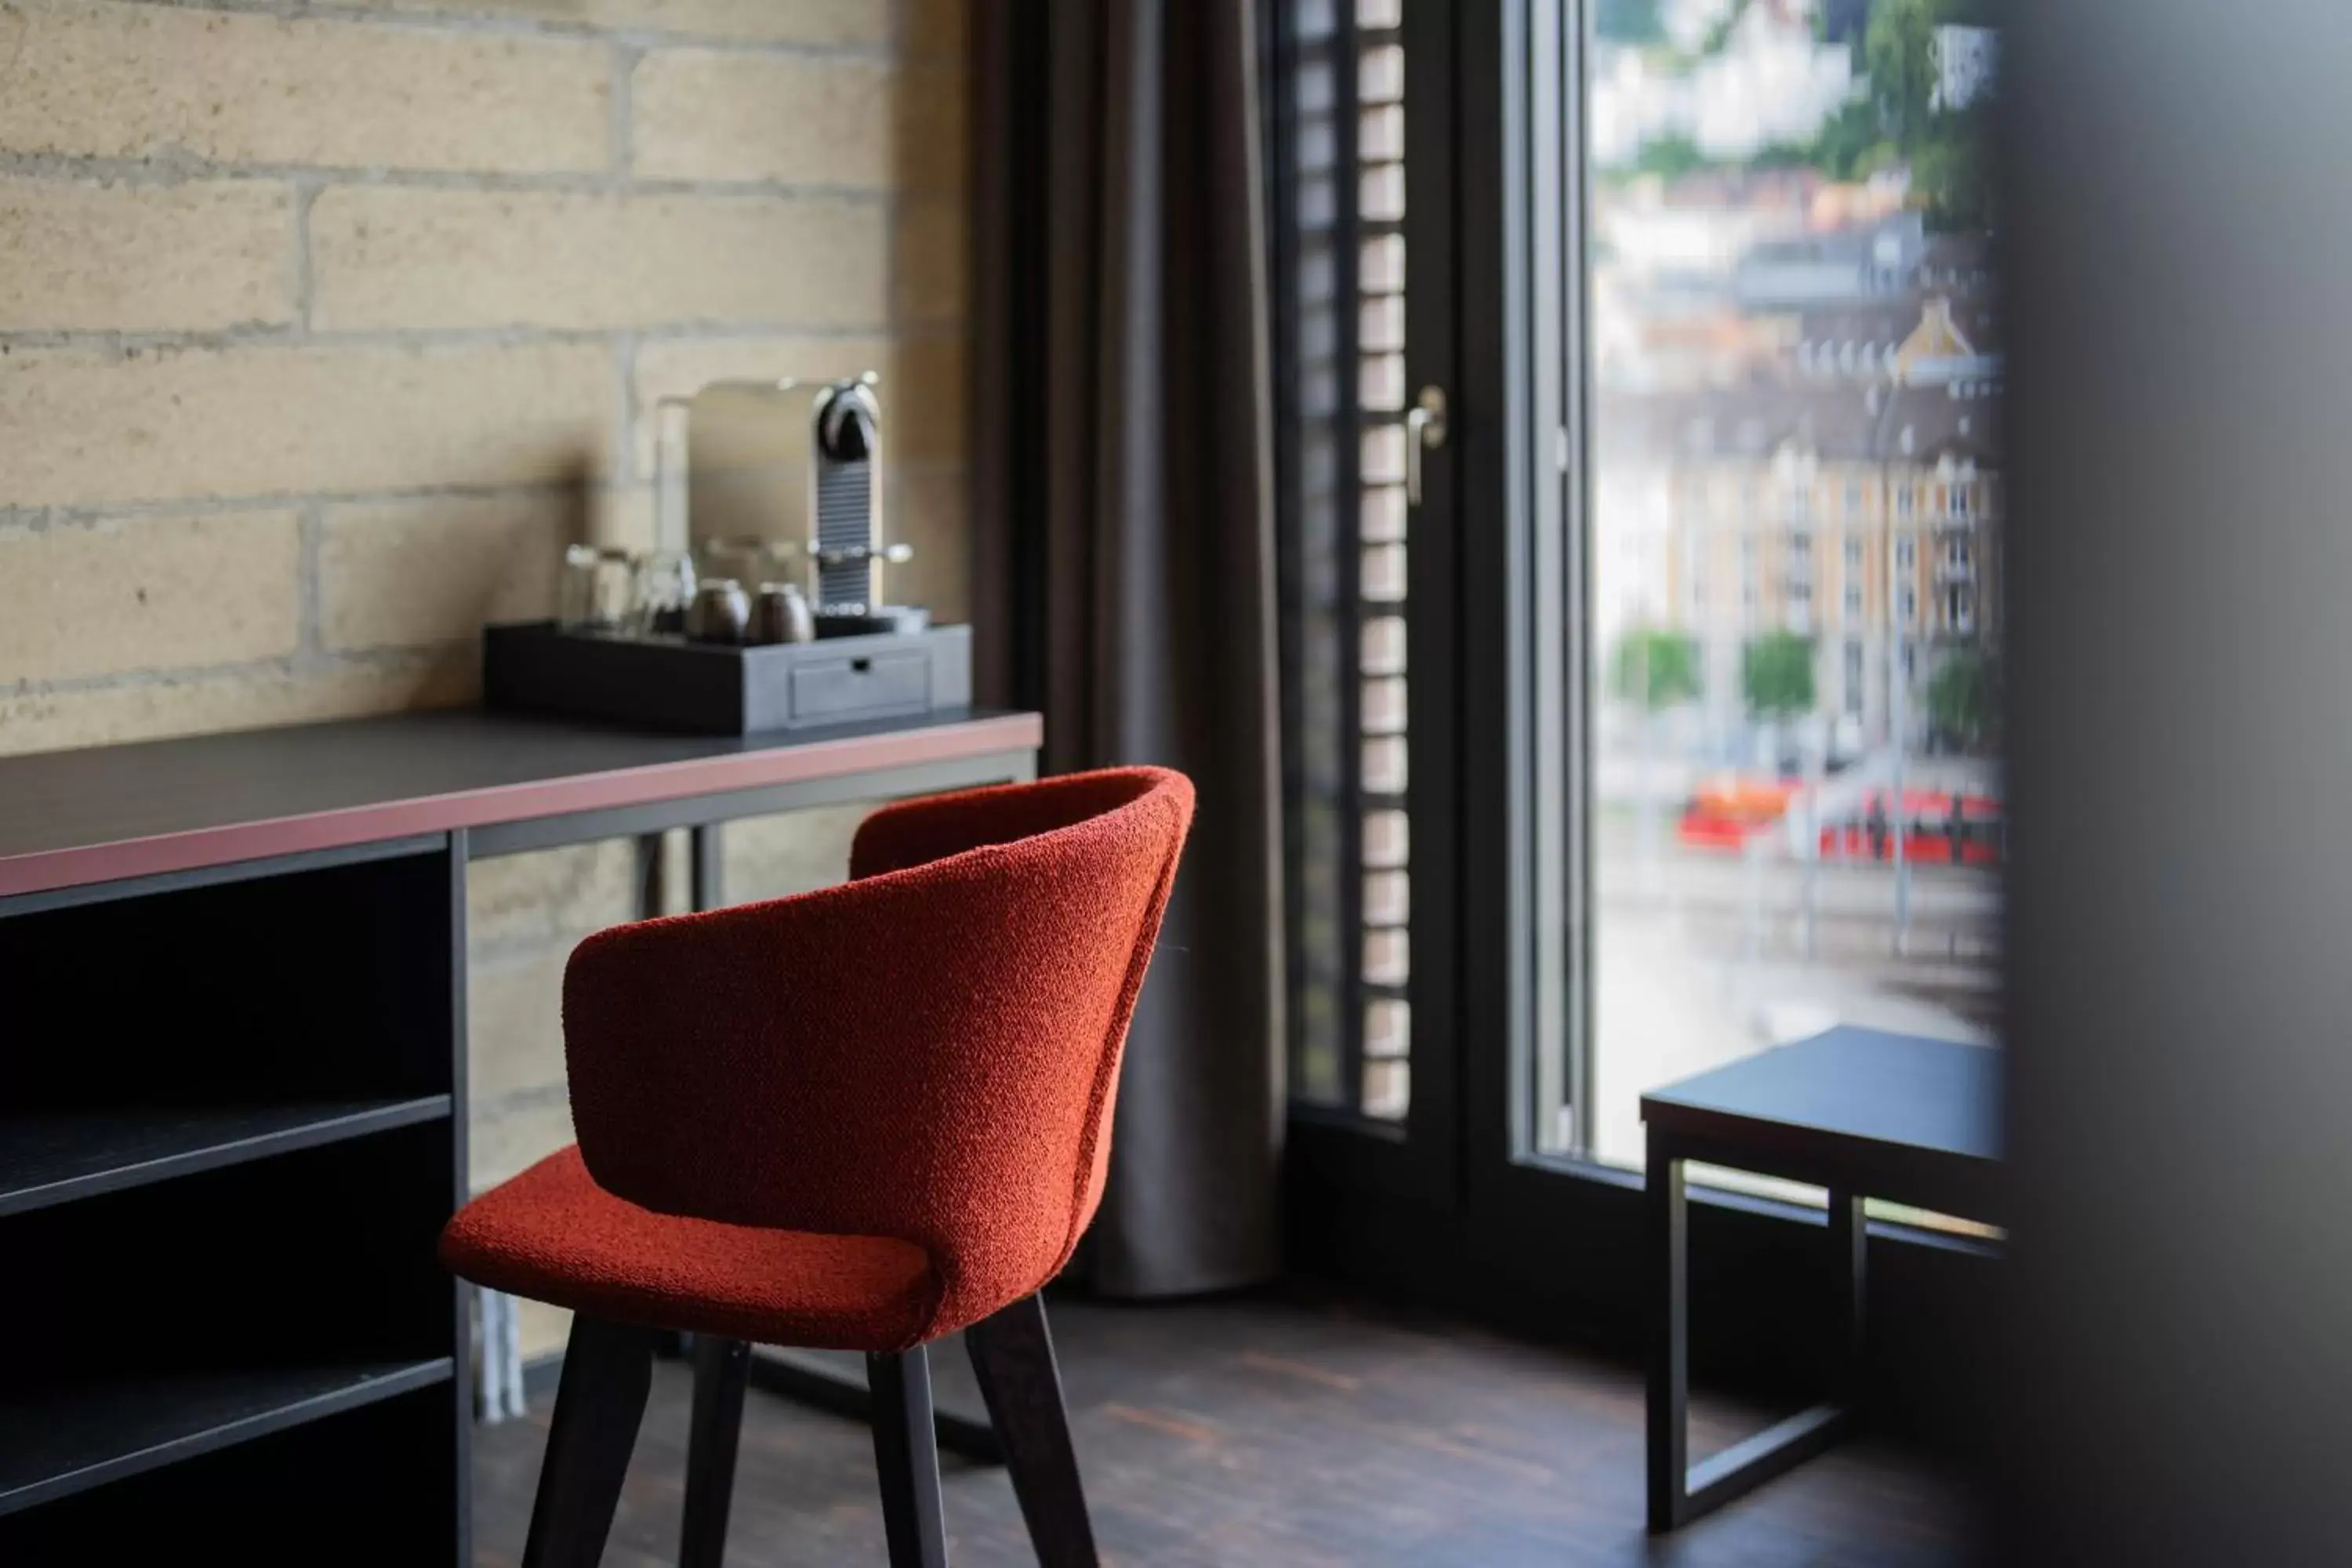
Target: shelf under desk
(67, 1155)
(56, 1442)
(233, 1073)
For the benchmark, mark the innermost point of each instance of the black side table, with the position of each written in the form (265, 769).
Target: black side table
(1866, 1114)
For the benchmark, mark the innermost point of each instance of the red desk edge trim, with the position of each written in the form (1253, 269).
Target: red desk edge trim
(81, 865)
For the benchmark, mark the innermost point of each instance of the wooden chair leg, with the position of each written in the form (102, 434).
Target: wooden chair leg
(906, 1451)
(721, 1367)
(607, 1371)
(1012, 1355)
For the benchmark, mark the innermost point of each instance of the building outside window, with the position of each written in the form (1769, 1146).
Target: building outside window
(1790, 285)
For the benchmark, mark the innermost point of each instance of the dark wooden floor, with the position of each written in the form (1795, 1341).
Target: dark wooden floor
(1273, 1432)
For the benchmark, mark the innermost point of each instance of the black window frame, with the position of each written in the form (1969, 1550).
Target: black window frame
(1460, 1209)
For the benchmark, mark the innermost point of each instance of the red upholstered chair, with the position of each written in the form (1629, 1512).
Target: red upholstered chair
(859, 1119)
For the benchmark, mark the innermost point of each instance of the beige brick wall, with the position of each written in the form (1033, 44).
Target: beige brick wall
(324, 327)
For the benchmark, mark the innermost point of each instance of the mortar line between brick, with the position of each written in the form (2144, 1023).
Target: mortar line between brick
(623, 458)
(481, 23)
(306, 197)
(621, 65)
(175, 168)
(514, 335)
(33, 519)
(310, 522)
(293, 666)
(77, 514)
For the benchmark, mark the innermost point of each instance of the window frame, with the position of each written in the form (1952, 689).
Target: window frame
(1544, 1243)
(1337, 1145)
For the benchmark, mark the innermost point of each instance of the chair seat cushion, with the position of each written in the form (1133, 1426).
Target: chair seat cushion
(552, 1235)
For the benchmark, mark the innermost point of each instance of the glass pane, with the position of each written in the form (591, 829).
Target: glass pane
(1793, 527)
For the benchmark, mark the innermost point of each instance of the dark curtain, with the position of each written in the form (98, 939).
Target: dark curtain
(1123, 577)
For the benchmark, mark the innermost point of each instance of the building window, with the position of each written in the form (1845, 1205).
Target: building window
(1852, 687)
(1905, 500)
(1853, 497)
(1906, 604)
(1959, 501)
(1907, 553)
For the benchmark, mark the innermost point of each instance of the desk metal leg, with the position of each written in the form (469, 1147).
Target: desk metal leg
(1681, 1491)
(709, 865)
(817, 1379)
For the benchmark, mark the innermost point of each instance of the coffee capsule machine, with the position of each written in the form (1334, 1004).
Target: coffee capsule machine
(780, 481)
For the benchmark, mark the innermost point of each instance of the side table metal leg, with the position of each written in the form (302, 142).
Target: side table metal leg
(1849, 1262)
(1679, 1490)
(1669, 1368)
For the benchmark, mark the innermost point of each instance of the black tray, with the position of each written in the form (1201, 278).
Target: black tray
(669, 683)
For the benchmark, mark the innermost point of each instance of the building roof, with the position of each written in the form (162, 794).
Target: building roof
(1881, 423)
(1886, 324)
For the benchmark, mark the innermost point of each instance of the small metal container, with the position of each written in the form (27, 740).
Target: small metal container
(781, 614)
(721, 611)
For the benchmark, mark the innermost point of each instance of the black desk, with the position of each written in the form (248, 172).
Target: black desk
(233, 1099)
(1866, 1114)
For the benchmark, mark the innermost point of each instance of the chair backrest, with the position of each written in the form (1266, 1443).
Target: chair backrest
(929, 1051)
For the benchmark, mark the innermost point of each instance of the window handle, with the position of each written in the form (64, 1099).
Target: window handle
(1424, 430)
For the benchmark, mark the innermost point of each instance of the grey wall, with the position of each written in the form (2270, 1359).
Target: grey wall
(2182, 687)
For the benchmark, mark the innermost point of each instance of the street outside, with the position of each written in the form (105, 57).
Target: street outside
(1700, 958)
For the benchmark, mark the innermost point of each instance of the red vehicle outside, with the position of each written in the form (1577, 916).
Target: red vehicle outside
(1939, 827)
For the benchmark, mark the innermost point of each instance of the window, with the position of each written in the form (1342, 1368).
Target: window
(1339, 124)
(1713, 347)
